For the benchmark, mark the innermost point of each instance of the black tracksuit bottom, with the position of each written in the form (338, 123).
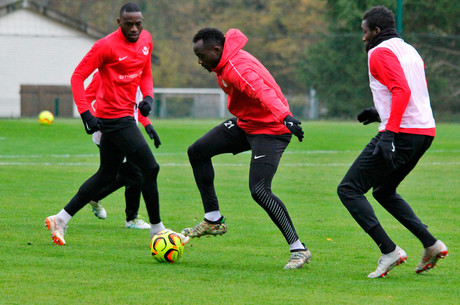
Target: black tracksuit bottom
(121, 138)
(266, 154)
(369, 171)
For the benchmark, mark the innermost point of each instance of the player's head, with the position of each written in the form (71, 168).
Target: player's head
(130, 21)
(375, 20)
(208, 45)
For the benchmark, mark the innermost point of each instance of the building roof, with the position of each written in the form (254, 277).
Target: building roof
(9, 6)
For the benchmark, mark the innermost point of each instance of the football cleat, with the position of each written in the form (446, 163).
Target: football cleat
(57, 228)
(98, 209)
(431, 255)
(388, 262)
(137, 223)
(206, 228)
(298, 259)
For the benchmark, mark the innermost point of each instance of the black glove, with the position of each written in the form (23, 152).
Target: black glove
(294, 126)
(91, 123)
(386, 147)
(368, 115)
(153, 135)
(146, 106)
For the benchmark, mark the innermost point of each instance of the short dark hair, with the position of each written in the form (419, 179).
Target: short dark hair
(130, 7)
(381, 17)
(210, 35)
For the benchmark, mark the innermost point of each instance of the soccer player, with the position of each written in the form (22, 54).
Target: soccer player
(129, 175)
(407, 129)
(124, 64)
(263, 124)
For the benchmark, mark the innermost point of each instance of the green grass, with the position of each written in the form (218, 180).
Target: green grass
(41, 168)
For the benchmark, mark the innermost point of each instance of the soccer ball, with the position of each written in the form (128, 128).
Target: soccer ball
(46, 118)
(166, 246)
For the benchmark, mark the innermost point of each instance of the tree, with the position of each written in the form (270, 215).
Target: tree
(304, 43)
(278, 32)
(337, 66)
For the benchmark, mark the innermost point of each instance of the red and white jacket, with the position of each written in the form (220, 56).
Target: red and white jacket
(123, 66)
(254, 97)
(399, 88)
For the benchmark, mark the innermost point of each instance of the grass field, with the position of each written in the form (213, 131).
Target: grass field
(41, 168)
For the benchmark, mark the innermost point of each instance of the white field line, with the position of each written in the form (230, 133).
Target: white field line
(215, 164)
(312, 152)
(8, 159)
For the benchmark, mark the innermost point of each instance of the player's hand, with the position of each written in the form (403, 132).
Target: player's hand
(386, 147)
(145, 106)
(91, 123)
(368, 115)
(153, 135)
(294, 126)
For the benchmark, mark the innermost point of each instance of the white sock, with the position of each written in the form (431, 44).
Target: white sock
(297, 245)
(157, 227)
(64, 216)
(213, 216)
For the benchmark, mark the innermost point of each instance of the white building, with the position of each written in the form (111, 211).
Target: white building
(37, 47)
(42, 47)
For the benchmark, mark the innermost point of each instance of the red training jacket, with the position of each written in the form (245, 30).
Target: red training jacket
(91, 93)
(254, 97)
(123, 67)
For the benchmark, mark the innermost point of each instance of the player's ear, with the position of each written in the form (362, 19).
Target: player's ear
(118, 21)
(218, 49)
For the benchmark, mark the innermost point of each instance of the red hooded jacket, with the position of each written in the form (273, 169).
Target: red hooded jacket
(254, 97)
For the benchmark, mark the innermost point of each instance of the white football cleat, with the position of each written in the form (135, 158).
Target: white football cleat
(98, 209)
(431, 255)
(137, 223)
(57, 228)
(388, 262)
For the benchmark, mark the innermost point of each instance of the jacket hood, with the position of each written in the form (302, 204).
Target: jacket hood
(235, 40)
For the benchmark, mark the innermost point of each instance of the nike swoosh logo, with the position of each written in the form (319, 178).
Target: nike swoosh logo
(122, 58)
(258, 157)
(87, 127)
(392, 147)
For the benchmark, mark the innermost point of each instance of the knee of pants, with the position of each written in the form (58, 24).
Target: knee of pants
(258, 190)
(345, 191)
(383, 195)
(152, 171)
(195, 152)
(254, 195)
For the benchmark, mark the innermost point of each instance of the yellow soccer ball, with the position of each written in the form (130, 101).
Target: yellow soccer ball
(166, 246)
(46, 118)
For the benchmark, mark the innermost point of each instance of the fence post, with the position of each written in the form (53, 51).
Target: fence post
(56, 107)
(313, 114)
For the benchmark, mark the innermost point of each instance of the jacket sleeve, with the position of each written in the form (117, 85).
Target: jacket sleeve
(92, 60)
(91, 91)
(143, 120)
(146, 82)
(250, 83)
(386, 68)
